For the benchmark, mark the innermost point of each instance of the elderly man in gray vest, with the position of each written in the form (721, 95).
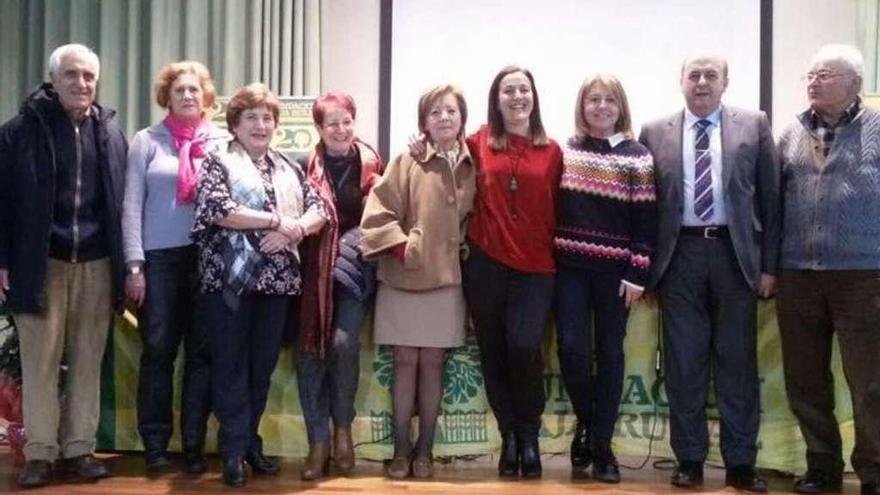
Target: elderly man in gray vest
(830, 259)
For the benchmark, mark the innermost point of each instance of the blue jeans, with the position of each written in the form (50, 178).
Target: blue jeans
(245, 341)
(166, 318)
(327, 387)
(587, 299)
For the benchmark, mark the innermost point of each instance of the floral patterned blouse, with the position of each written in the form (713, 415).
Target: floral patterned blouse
(280, 274)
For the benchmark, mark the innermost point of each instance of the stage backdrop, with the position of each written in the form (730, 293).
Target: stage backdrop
(466, 425)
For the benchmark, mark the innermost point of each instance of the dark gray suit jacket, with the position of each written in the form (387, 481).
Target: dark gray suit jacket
(751, 175)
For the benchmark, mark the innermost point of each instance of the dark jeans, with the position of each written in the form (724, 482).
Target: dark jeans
(245, 341)
(167, 317)
(327, 386)
(709, 328)
(510, 310)
(584, 298)
(812, 306)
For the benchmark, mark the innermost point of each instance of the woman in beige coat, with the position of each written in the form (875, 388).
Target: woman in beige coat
(414, 224)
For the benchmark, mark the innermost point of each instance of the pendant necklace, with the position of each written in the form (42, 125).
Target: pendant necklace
(513, 185)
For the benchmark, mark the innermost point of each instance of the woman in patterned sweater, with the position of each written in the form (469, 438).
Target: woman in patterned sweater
(603, 242)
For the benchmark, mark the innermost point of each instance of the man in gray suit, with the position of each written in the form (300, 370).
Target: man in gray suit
(717, 183)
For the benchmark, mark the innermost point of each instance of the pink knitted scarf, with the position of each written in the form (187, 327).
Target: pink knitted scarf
(189, 140)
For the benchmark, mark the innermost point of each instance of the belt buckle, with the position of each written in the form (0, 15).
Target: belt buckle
(708, 233)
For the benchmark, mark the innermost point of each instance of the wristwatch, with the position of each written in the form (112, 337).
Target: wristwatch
(134, 270)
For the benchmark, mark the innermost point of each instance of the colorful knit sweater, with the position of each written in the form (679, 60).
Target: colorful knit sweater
(607, 208)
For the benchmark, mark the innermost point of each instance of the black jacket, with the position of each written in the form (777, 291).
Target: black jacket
(27, 196)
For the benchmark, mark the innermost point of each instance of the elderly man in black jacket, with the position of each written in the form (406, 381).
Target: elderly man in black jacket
(62, 163)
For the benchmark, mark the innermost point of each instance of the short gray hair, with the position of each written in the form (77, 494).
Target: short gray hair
(72, 49)
(847, 54)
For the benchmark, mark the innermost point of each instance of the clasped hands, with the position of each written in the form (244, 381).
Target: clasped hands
(287, 231)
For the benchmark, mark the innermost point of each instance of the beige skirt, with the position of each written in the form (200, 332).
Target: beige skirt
(433, 318)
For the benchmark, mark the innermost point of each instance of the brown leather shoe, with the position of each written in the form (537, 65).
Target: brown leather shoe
(422, 467)
(399, 468)
(343, 450)
(317, 462)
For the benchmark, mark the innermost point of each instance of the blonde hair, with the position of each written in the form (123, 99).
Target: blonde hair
(612, 84)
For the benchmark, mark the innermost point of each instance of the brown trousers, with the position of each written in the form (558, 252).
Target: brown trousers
(812, 306)
(74, 323)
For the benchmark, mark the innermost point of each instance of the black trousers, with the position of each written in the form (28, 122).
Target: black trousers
(510, 310)
(245, 341)
(709, 330)
(812, 306)
(167, 317)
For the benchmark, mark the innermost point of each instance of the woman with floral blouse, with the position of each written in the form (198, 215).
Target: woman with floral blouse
(252, 210)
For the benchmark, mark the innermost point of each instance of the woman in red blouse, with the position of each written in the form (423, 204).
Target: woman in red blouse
(508, 275)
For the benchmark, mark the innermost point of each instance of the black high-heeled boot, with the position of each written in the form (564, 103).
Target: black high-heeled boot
(508, 461)
(529, 458)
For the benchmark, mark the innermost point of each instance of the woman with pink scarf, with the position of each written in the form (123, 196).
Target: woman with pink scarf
(161, 265)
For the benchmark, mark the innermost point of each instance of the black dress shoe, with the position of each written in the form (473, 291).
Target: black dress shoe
(745, 477)
(233, 472)
(688, 474)
(260, 464)
(581, 456)
(194, 462)
(529, 458)
(156, 460)
(871, 488)
(35, 473)
(605, 467)
(818, 481)
(508, 460)
(87, 468)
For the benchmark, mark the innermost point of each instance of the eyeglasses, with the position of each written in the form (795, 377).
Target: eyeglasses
(822, 76)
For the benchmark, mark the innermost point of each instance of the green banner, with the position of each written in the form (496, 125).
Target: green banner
(466, 425)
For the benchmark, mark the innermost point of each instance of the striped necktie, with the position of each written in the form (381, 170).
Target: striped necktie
(703, 202)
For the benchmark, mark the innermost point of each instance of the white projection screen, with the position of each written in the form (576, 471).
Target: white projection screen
(642, 42)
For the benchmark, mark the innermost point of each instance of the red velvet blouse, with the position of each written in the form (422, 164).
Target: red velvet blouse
(514, 216)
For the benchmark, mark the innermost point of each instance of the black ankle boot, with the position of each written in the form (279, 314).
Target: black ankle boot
(194, 461)
(508, 460)
(260, 464)
(605, 467)
(581, 456)
(529, 458)
(233, 471)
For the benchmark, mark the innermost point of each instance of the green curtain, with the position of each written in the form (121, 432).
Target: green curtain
(241, 41)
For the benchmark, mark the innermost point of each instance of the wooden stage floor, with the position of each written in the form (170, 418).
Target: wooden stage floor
(472, 477)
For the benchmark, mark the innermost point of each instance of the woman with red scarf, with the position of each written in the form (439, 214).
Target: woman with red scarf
(343, 169)
(161, 278)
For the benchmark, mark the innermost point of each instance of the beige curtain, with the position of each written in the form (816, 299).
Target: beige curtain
(241, 41)
(869, 39)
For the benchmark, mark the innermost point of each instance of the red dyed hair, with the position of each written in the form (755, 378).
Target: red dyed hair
(332, 99)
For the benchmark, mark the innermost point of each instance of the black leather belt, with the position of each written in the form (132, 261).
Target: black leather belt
(707, 232)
